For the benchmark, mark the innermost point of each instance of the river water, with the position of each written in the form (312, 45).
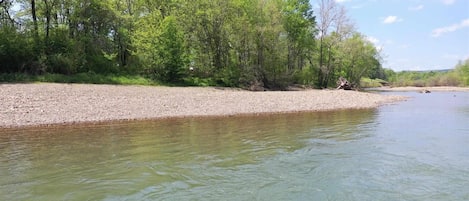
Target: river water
(412, 150)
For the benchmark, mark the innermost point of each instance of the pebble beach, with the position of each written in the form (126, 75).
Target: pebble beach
(43, 104)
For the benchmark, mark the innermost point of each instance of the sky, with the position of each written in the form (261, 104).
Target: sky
(414, 34)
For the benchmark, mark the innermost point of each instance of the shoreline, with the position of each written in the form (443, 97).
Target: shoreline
(48, 104)
(418, 89)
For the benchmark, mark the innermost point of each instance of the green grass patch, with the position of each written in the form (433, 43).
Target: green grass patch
(89, 78)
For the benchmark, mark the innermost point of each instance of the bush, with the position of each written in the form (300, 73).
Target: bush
(450, 79)
(63, 64)
(305, 76)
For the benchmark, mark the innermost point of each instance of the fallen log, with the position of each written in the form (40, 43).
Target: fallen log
(425, 91)
(344, 84)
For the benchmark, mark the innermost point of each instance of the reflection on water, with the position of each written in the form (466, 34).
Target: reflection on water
(415, 150)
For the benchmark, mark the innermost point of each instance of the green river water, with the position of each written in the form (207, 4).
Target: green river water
(412, 150)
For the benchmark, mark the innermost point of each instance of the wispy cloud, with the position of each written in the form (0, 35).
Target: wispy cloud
(391, 19)
(439, 31)
(341, 1)
(448, 2)
(451, 56)
(416, 8)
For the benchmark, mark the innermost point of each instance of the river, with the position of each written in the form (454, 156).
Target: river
(412, 150)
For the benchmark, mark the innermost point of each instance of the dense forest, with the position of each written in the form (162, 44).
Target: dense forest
(242, 43)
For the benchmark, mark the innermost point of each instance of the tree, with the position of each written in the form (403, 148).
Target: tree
(300, 26)
(358, 57)
(5, 16)
(122, 28)
(462, 69)
(334, 27)
(34, 17)
(229, 43)
(162, 50)
(172, 62)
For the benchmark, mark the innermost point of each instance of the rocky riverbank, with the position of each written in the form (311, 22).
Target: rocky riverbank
(47, 104)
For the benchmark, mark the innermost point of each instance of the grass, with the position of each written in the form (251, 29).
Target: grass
(371, 83)
(89, 78)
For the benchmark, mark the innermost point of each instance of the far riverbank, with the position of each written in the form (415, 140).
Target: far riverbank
(419, 89)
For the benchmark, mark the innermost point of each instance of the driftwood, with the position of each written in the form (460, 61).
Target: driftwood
(343, 83)
(256, 86)
(425, 91)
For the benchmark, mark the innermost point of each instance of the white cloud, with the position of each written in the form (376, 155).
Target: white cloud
(341, 1)
(439, 31)
(416, 8)
(448, 2)
(391, 19)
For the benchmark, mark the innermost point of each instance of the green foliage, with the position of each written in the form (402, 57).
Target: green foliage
(236, 43)
(462, 70)
(358, 57)
(298, 16)
(371, 83)
(163, 52)
(306, 76)
(16, 51)
(456, 77)
(78, 78)
(172, 61)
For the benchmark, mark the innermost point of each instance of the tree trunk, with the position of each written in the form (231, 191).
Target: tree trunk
(33, 13)
(48, 16)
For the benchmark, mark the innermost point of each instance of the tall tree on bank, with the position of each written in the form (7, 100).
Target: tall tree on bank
(34, 17)
(299, 23)
(342, 50)
(358, 58)
(334, 26)
(162, 51)
(5, 17)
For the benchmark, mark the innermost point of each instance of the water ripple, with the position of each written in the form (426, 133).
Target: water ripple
(383, 154)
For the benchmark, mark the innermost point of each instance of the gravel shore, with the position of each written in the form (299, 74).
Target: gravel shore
(47, 104)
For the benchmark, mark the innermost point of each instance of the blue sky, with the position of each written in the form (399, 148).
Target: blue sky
(414, 34)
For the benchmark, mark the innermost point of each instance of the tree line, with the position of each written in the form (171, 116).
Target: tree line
(266, 43)
(459, 76)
